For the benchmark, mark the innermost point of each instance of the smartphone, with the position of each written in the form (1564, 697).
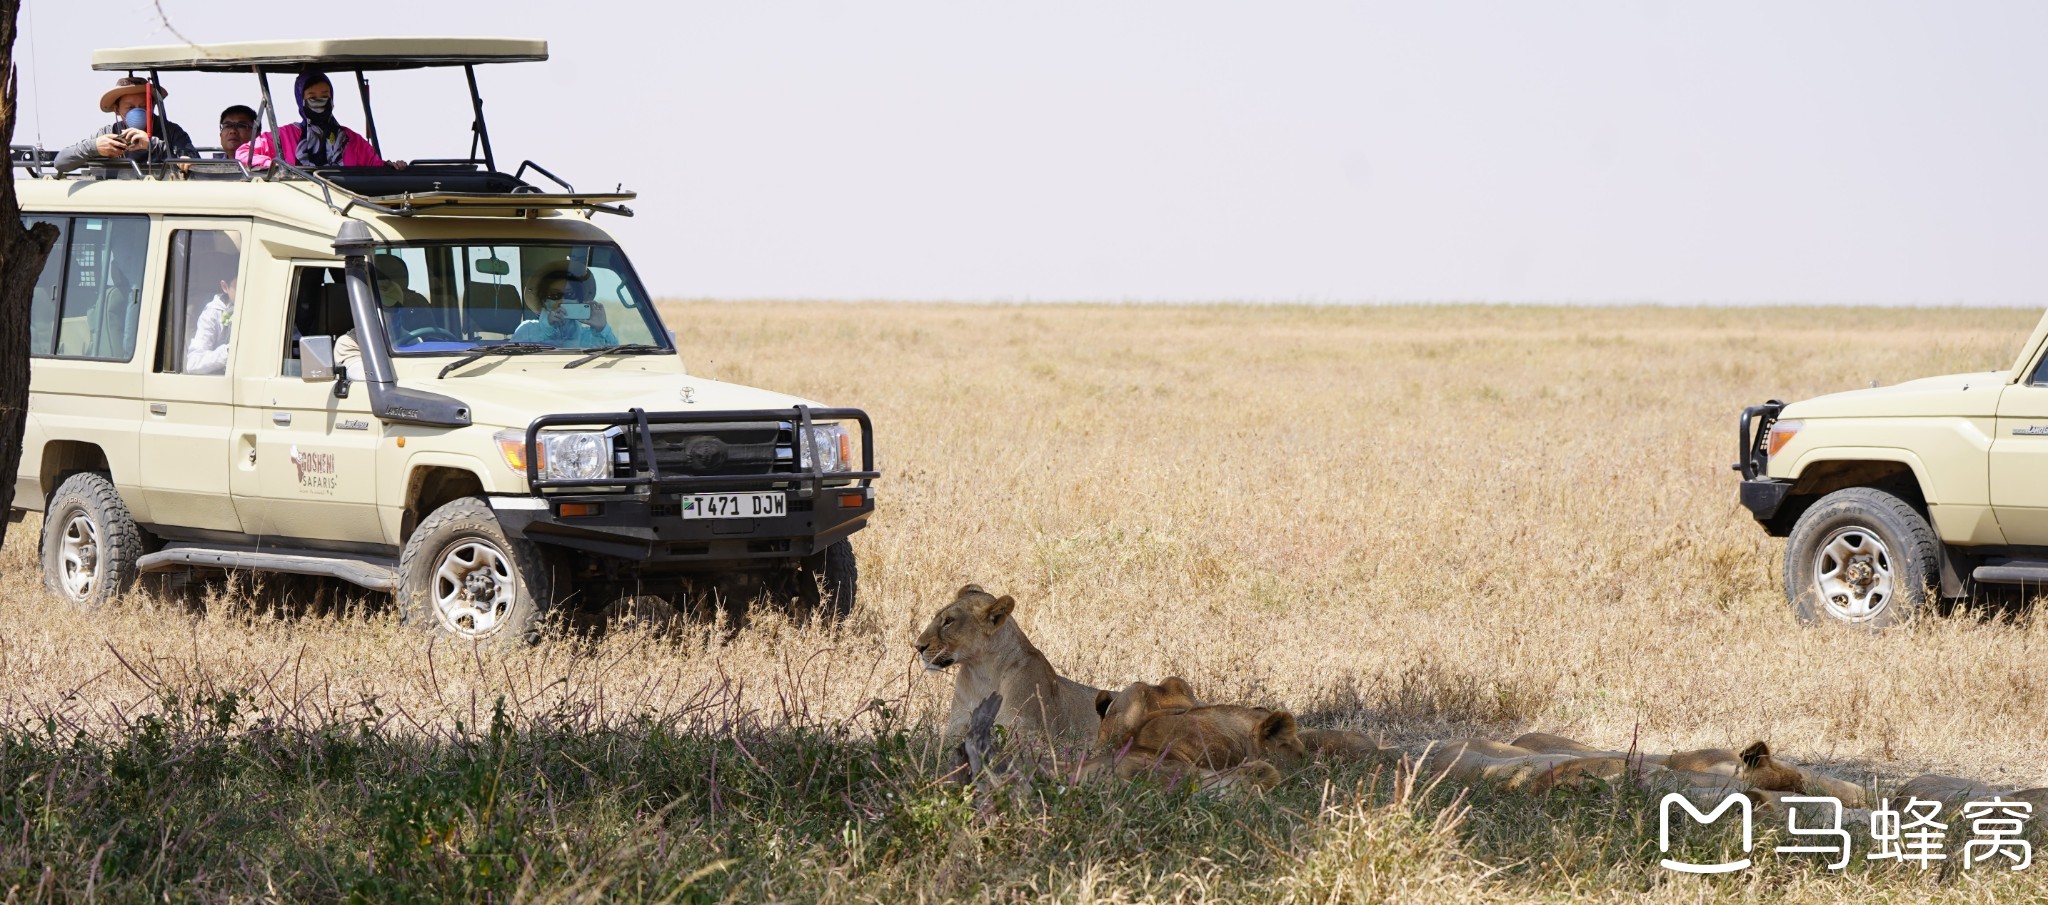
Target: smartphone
(576, 311)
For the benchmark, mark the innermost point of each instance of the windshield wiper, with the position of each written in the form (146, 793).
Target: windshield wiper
(620, 349)
(499, 349)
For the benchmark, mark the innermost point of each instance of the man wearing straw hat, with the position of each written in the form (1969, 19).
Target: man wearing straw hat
(131, 134)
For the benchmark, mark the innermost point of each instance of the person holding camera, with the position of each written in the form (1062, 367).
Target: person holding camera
(132, 135)
(568, 319)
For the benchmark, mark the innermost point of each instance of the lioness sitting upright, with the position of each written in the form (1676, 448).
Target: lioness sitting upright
(978, 633)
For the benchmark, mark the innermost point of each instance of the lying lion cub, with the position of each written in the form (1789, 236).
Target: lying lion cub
(978, 633)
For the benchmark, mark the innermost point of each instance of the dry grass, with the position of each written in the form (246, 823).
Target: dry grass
(1419, 520)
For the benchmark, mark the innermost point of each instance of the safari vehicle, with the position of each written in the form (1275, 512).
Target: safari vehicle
(481, 474)
(1893, 495)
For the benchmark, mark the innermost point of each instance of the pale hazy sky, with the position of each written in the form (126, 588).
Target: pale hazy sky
(1717, 152)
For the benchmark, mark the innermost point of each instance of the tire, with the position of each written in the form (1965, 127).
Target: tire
(90, 542)
(462, 576)
(825, 585)
(1862, 557)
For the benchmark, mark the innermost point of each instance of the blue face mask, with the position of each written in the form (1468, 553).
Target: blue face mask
(136, 118)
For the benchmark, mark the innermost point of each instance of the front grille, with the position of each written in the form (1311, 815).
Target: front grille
(748, 448)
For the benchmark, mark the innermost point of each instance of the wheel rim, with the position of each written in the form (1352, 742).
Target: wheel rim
(1852, 574)
(78, 556)
(473, 588)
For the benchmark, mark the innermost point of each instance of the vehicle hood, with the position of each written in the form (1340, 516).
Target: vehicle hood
(1971, 395)
(514, 392)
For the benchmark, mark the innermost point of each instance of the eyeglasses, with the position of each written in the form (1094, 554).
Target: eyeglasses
(230, 125)
(558, 296)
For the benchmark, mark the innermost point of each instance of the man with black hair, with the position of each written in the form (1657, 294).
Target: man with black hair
(237, 127)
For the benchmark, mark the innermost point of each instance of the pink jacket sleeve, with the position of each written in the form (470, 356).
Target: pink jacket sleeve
(257, 154)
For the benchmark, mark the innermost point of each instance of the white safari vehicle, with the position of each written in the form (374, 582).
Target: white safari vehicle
(1893, 495)
(443, 382)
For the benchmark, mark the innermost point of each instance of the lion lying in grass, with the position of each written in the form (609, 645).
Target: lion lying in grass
(978, 633)
(1166, 730)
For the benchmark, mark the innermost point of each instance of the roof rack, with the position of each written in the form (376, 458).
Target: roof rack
(453, 186)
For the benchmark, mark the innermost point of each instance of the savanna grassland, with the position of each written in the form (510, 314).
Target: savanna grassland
(1416, 521)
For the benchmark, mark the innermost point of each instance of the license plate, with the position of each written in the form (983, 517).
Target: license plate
(735, 505)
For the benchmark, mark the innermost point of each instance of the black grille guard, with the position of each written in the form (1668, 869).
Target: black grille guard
(648, 471)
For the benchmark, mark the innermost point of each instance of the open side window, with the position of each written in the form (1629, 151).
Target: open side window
(198, 324)
(319, 308)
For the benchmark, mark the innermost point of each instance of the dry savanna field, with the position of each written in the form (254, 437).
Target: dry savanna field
(1416, 521)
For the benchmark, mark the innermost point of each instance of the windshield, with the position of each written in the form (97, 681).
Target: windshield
(443, 299)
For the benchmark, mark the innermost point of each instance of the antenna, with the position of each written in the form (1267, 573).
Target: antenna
(36, 83)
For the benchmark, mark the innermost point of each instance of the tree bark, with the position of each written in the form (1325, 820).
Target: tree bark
(22, 251)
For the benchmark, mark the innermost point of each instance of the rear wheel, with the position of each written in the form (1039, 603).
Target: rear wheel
(463, 576)
(1861, 556)
(90, 542)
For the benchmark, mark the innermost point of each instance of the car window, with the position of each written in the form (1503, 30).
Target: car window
(451, 298)
(319, 307)
(102, 287)
(42, 307)
(196, 331)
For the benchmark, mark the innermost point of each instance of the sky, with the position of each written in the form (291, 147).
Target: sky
(1183, 150)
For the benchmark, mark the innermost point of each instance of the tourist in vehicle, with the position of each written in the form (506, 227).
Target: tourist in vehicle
(557, 325)
(317, 139)
(396, 295)
(237, 126)
(207, 351)
(131, 134)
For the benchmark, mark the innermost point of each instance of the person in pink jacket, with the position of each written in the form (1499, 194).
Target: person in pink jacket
(317, 139)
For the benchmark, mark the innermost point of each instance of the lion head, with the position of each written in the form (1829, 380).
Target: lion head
(962, 628)
(1220, 736)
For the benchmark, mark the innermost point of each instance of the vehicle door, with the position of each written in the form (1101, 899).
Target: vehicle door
(189, 449)
(2019, 460)
(315, 460)
(84, 321)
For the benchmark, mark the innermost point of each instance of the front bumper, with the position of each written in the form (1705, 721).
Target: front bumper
(1763, 497)
(637, 514)
(653, 532)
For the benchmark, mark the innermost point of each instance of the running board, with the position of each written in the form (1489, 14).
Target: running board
(374, 574)
(2013, 571)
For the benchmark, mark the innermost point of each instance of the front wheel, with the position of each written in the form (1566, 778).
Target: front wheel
(463, 576)
(1861, 556)
(90, 542)
(823, 586)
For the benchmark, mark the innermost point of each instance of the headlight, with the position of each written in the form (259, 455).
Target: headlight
(563, 455)
(834, 445)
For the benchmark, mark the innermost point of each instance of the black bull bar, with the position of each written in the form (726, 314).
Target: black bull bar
(647, 470)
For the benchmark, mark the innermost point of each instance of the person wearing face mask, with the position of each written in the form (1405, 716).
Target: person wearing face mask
(131, 134)
(317, 139)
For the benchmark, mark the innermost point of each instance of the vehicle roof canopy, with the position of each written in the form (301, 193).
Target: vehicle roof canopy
(362, 54)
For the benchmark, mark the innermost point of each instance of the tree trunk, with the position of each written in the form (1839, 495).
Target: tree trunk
(22, 252)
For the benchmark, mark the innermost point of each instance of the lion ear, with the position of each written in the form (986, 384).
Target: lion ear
(1000, 609)
(1103, 699)
(1177, 685)
(1277, 726)
(1755, 755)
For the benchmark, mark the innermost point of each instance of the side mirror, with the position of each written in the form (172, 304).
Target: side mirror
(316, 358)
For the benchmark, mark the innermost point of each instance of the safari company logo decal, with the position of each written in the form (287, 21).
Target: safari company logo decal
(316, 471)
